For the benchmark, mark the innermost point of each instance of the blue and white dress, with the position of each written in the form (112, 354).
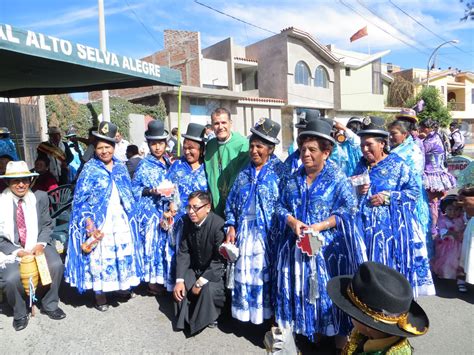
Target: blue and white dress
(149, 174)
(412, 156)
(391, 232)
(106, 198)
(187, 181)
(302, 301)
(250, 208)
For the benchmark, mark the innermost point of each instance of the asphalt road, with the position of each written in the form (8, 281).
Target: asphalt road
(144, 325)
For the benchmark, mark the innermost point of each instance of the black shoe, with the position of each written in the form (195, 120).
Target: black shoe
(20, 324)
(57, 314)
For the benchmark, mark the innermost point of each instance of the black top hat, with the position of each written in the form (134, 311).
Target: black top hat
(318, 128)
(195, 132)
(267, 129)
(106, 131)
(305, 115)
(373, 126)
(380, 298)
(355, 119)
(156, 131)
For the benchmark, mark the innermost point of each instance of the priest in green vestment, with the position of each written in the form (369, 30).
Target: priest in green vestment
(225, 156)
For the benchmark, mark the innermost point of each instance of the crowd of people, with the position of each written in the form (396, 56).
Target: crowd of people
(227, 221)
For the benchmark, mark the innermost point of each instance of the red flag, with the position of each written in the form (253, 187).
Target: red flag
(359, 34)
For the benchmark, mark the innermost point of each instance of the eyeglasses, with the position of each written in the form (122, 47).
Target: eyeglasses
(196, 209)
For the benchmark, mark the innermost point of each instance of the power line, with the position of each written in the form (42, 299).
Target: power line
(381, 28)
(233, 17)
(426, 28)
(391, 24)
(143, 25)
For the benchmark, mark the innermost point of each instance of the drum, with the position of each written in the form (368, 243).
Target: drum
(28, 269)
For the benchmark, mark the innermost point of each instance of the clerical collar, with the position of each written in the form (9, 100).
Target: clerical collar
(226, 141)
(202, 222)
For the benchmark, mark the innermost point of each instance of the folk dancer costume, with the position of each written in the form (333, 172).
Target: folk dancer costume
(223, 162)
(106, 198)
(408, 115)
(436, 177)
(24, 223)
(7, 147)
(77, 153)
(391, 232)
(198, 258)
(249, 209)
(187, 181)
(381, 301)
(412, 156)
(301, 298)
(149, 174)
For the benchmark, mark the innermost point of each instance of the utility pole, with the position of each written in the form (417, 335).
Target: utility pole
(428, 66)
(105, 93)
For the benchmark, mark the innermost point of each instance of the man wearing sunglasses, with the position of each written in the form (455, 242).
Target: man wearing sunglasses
(199, 290)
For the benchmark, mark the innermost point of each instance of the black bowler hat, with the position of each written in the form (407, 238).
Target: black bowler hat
(381, 298)
(156, 131)
(195, 132)
(318, 128)
(106, 131)
(267, 129)
(373, 126)
(305, 115)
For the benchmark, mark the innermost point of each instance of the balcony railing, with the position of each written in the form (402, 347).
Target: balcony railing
(457, 106)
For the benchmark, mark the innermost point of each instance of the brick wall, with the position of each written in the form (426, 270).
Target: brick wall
(182, 52)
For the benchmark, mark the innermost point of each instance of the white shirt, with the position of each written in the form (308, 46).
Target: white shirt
(121, 150)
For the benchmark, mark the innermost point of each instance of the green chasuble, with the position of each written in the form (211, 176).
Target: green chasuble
(358, 344)
(223, 163)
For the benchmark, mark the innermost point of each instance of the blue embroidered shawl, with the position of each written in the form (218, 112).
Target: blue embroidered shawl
(91, 196)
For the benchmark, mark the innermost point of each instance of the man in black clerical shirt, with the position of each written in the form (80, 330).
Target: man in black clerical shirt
(199, 290)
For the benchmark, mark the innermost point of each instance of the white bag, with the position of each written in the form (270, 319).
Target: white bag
(279, 340)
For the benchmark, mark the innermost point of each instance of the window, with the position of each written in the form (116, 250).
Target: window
(348, 71)
(302, 73)
(249, 80)
(321, 77)
(442, 90)
(472, 96)
(377, 87)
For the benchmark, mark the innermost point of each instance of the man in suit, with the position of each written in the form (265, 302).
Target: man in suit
(199, 290)
(25, 229)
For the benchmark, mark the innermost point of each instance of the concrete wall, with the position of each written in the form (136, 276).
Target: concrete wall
(303, 95)
(222, 51)
(271, 54)
(214, 72)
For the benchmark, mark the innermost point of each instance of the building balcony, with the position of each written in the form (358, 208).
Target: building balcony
(457, 106)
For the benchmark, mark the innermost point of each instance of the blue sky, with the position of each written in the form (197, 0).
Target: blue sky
(135, 27)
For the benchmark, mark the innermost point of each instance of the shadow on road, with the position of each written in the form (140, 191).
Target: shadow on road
(448, 289)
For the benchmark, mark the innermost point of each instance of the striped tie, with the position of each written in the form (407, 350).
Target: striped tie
(20, 222)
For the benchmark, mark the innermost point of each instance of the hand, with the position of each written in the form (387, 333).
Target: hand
(23, 253)
(230, 237)
(179, 292)
(154, 191)
(196, 290)
(377, 200)
(296, 226)
(339, 126)
(38, 249)
(363, 189)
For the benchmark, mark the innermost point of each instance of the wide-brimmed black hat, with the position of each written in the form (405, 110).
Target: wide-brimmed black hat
(195, 132)
(305, 115)
(106, 131)
(373, 126)
(267, 129)
(156, 131)
(355, 119)
(318, 128)
(380, 298)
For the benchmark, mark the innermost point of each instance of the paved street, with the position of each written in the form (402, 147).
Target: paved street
(143, 325)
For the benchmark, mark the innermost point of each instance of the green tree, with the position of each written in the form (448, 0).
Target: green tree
(434, 106)
(64, 112)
